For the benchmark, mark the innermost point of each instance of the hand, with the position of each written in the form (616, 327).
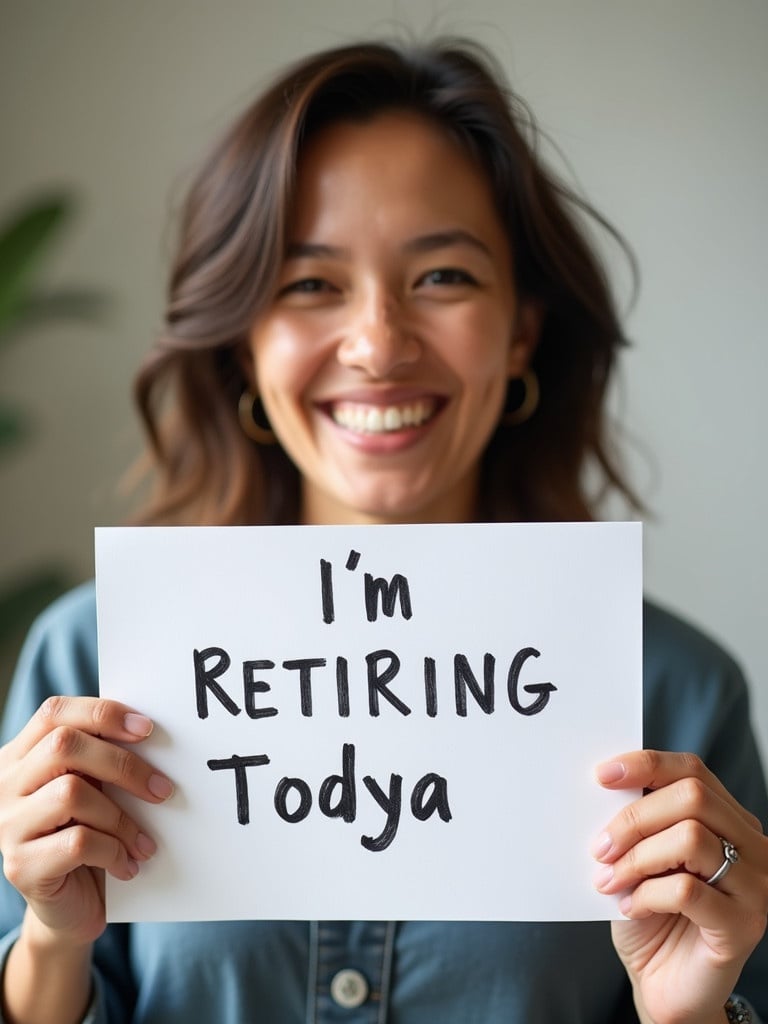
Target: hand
(58, 831)
(685, 942)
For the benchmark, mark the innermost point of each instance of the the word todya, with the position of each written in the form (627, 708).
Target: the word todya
(337, 797)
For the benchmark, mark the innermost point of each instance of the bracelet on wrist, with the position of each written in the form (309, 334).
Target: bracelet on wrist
(739, 1012)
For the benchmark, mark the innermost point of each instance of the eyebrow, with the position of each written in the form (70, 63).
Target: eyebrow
(420, 244)
(444, 240)
(309, 250)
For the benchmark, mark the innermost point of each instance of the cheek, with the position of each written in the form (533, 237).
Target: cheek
(480, 354)
(285, 358)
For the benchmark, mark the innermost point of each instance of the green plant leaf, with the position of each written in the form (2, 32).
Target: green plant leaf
(24, 240)
(39, 308)
(13, 427)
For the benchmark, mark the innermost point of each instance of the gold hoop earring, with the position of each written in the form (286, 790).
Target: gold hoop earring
(248, 408)
(530, 403)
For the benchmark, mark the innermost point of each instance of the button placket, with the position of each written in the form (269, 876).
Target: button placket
(349, 972)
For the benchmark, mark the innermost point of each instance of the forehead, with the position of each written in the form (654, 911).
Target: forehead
(397, 169)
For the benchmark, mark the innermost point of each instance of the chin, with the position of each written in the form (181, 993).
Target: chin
(395, 507)
(390, 498)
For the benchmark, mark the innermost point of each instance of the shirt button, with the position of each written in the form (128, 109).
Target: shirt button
(349, 988)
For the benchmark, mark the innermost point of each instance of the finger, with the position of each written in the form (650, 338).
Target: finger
(655, 769)
(67, 750)
(68, 800)
(687, 846)
(679, 893)
(108, 719)
(61, 853)
(730, 929)
(687, 799)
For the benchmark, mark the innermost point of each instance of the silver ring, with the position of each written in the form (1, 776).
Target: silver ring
(731, 855)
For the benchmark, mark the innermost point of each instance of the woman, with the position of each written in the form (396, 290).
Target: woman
(383, 309)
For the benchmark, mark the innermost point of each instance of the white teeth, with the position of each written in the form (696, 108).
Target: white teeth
(393, 419)
(375, 419)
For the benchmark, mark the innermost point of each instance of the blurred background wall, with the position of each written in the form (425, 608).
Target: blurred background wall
(659, 109)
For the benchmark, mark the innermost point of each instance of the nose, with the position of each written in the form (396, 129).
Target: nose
(376, 339)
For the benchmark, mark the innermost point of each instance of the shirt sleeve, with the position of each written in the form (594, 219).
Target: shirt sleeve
(696, 699)
(93, 1014)
(60, 657)
(735, 759)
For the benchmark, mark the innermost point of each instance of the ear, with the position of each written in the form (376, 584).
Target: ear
(246, 363)
(525, 338)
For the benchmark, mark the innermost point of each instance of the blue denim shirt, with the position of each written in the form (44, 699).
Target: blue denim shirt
(372, 972)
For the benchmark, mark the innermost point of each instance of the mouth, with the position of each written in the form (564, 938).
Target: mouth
(365, 418)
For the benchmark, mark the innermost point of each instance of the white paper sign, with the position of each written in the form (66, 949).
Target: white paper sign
(374, 722)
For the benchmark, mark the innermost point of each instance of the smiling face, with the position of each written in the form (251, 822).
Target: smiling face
(383, 357)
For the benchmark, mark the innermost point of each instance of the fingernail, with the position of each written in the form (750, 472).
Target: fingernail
(603, 876)
(160, 787)
(146, 845)
(625, 905)
(602, 845)
(137, 725)
(611, 771)
(133, 868)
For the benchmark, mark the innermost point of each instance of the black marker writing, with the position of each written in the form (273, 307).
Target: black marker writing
(422, 808)
(337, 797)
(326, 584)
(252, 686)
(376, 590)
(376, 677)
(238, 765)
(542, 689)
(342, 686)
(430, 687)
(391, 804)
(326, 590)
(284, 787)
(377, 682)
(464, 679)
(204, 680)
(346, 805)
(389, 592)
(305, 666)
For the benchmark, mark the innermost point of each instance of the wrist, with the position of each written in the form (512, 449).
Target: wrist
(47, 977)
(718, 1016)
(45, 942)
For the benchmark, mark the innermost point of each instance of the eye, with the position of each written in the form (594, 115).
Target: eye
(306, 286)
(447, 276)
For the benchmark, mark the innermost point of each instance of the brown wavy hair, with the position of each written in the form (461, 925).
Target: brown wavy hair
(232, 235)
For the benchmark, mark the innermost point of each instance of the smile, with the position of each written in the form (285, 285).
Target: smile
(361, 418)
